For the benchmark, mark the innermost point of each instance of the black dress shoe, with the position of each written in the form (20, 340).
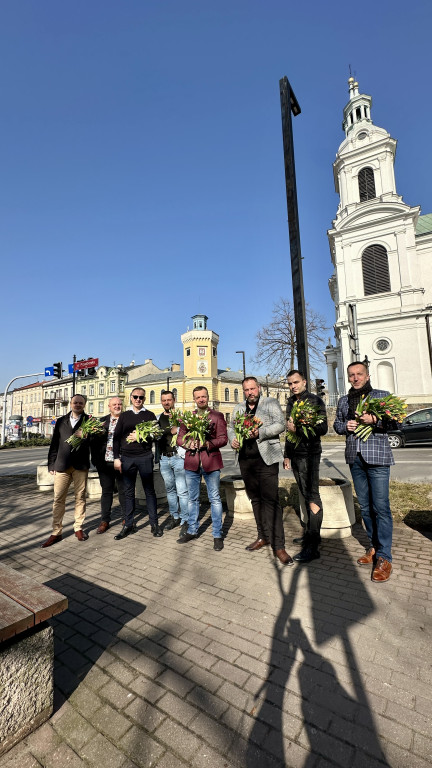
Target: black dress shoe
(125, 531)
(300, 540)
(186, 537)
(306, 555)
(173, 522)
(156, 531)
(218, 545)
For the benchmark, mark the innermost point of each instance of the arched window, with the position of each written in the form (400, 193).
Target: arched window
(366, 182)
(226, 394)
(236, 395)
(386, 376)
(174, 391)
(152, 396)
(376, 276)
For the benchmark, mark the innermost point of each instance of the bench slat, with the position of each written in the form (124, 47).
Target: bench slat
(42, 601)
(13, 618)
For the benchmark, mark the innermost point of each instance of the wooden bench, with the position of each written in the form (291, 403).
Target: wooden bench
(26, 654)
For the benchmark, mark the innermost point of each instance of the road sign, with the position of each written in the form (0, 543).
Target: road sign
(49, 371)
(93, 362)
(53, 422)
(70, 368)
(29, 420)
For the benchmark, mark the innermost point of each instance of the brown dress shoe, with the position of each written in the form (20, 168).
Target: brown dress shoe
(52, 540)
(382, 570)
(81, 535)
(256, 545)
(283, 557)
(368, 558)
(103, 526)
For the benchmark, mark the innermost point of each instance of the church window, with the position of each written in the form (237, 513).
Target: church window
(152, 396)
(376, 276)
(358, 113)
(366, 183)
(226, 394)
(382, 345)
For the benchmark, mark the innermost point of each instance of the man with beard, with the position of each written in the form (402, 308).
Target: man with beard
(370, 463)
(259, 459)
(304, 460)
(171, 463)
(102, 456)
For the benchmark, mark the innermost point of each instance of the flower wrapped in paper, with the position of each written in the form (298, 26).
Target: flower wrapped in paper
(390, 408)
(244, 425)
(198, 427)
(305, 416)
(91, 426)
(146, 430)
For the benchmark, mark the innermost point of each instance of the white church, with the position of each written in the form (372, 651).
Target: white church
(381, 250)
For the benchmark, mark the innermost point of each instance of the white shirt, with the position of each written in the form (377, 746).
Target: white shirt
(73, 420)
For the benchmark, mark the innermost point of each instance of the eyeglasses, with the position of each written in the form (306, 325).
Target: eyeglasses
(138, 397)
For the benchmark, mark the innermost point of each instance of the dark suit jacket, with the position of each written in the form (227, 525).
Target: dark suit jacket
(98, 443)
(60, 454)
(211, 458)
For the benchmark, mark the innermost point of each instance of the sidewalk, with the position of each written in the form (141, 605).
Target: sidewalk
(175, 656)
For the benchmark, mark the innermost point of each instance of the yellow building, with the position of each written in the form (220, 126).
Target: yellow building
(200, 367)
(27, 403)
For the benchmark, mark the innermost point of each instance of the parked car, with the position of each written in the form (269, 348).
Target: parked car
(415, 428)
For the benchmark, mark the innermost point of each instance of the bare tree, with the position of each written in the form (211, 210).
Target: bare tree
(276, 342)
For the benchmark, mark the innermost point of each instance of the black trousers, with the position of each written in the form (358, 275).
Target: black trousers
(131, 465)
(262, 486)
(109, 479)
(306, 473)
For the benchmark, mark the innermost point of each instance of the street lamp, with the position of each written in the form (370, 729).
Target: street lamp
(241, 352)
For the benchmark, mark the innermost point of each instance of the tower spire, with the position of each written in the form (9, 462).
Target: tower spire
(358, 108)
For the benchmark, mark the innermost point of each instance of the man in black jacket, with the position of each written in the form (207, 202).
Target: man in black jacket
(304, 460)
(131, 457)
(102, 456)
(69, 466)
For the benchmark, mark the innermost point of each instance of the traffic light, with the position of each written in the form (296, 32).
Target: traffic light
(58, 373)
(91, 371)
(320, 387)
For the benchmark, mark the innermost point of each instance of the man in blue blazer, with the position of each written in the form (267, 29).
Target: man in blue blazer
(370, 463)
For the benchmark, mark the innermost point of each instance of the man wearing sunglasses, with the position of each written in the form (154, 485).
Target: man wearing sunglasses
(133, 457)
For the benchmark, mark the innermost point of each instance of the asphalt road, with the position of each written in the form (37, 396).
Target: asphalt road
(413, 464)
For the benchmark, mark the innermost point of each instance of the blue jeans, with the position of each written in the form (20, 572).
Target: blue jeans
(371, 483)
(212, 480)
(173, 473)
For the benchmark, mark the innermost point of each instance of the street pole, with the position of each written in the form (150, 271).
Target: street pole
(241, 352)
(24, 376)
(290, 104)
(73, 376)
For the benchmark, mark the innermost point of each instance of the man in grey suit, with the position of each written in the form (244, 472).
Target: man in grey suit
(259, 459)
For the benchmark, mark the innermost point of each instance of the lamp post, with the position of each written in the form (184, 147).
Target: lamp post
(290, 104)
(241, 352)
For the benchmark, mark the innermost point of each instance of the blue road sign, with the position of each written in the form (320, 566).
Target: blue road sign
(49, 371)
(70, 368)
(29, 420)
(53, 422)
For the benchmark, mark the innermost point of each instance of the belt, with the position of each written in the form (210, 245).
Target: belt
(168, 455)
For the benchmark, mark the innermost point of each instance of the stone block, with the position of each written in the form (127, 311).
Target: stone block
(238, 501)
(338, 508)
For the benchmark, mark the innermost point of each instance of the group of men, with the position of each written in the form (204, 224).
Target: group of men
(119, 457)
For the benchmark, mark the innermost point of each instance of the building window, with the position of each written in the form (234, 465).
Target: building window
(101, 388)
(227, 417)
(152, 396)
(90, 407)
(236, 395)
(366, 182)
(174, 391)
(188, 352)
(214, 351)
(376, 276)
(112, 386)
(226, 395)
(91, 390)
(101, 406)
(121, 386)
(84, 390)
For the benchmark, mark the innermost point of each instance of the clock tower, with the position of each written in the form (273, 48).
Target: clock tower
(200, 359)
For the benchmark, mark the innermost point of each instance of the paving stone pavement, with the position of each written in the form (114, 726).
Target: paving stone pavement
(174, 656)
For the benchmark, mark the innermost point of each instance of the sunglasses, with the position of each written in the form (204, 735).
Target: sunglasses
(137, 397)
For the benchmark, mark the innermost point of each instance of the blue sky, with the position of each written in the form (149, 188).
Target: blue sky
(142, 171)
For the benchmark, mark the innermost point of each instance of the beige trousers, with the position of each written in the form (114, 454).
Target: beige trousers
(62, 481)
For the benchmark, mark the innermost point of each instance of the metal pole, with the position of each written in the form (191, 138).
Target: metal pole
(241, 352)
(290, 104)
(24, 376)
(73, 376)
(428, 331)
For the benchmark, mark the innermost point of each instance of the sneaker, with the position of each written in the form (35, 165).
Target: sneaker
(218, 545)
(172, 522)
(183, 529)
(187, 537)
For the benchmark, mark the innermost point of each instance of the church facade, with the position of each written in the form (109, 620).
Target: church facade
(381, 250)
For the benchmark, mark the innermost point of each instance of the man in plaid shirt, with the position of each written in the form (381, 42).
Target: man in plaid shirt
(370, 463)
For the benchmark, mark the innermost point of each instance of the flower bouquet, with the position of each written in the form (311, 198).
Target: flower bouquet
(305, 416)
(198, 427)
(175, 419)
(146, 430)
(390, 407)
(244, 425)
(91, 426)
